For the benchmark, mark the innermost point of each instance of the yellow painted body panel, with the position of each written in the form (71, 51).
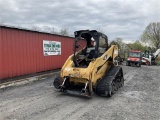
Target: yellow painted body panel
(96, 70)
(78, 80)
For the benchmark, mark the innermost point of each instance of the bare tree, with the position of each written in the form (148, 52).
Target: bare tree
(123, 49)
(64, 32)
(100, 30)
(52, 30)
(152, 34)
(120, 43)
(48, 29)
(36, 28)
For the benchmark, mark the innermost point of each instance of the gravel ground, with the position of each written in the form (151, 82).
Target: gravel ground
(139, 99)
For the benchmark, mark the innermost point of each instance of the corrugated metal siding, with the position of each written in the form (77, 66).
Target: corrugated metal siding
(0, 51)
(21, 52)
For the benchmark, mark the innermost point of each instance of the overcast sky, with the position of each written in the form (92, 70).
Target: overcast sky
(116, 18)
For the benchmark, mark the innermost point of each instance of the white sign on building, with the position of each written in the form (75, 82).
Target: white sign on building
(51, 48)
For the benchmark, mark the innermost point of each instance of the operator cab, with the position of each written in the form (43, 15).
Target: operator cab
(96, 45)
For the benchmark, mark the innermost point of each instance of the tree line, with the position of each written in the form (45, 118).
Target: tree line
(52, 30)
(149, 40)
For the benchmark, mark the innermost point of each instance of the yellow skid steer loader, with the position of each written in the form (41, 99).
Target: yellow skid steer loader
(91, 69)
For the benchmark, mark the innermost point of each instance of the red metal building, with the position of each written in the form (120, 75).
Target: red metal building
(21, 52)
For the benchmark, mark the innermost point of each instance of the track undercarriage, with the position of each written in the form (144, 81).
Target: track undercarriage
(111, 82)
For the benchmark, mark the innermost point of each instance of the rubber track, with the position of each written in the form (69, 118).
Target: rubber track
(104, 84)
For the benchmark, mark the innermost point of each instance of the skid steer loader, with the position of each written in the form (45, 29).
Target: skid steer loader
(91, 69)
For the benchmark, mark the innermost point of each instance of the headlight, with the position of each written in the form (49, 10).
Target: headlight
(128, 59)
